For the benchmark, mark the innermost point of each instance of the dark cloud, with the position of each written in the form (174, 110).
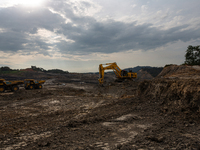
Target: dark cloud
(12, 41)
(88, 34)
(22, 19)
(112, 36)
(19, 23)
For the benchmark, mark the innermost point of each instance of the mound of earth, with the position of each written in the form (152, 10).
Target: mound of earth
(141, 75)
(181, 72)
(177, 96)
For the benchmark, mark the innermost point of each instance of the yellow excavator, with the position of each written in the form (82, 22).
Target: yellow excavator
(120, 74)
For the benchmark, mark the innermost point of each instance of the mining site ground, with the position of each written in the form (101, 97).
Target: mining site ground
(79, 114)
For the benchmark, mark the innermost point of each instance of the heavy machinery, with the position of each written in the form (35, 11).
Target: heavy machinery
(120, 74)
(30, 84)
(9, 85)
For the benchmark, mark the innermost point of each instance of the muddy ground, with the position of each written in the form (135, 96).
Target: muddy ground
(77, 113)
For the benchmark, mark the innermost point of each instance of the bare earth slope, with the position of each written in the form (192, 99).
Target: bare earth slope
(182, 72)
(141, 75)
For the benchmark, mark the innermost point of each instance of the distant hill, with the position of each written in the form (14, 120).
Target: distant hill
(143, 75)
(153, 71)
(136, 69)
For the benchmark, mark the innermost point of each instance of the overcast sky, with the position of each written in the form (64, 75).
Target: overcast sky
(78, 35)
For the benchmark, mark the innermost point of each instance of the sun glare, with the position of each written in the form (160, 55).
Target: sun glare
(32, 3)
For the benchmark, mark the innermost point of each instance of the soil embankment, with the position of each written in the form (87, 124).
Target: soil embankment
(176, 95)
(180, 72)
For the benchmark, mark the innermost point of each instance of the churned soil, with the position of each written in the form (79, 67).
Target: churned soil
(80, 114)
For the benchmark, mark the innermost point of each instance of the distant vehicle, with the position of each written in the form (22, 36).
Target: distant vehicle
(120, 74)
(30, 84)
(9, 85)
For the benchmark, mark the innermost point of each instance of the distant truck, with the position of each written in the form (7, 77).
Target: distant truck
(30, 84)
(9, 85)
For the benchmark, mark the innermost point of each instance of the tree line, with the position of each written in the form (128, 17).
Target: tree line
(8, 69)
(49, 71)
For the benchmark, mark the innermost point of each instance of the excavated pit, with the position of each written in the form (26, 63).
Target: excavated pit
(73, 113)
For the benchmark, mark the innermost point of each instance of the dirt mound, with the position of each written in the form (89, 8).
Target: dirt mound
(175, 96)
(141, 75)
(182, 72)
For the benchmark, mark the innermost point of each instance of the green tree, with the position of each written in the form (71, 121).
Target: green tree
(192, 56)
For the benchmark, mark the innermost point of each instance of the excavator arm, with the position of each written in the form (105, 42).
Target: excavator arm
(110, 66)
(101, 74)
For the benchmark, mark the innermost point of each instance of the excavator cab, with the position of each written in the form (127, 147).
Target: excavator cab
(124, 73)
